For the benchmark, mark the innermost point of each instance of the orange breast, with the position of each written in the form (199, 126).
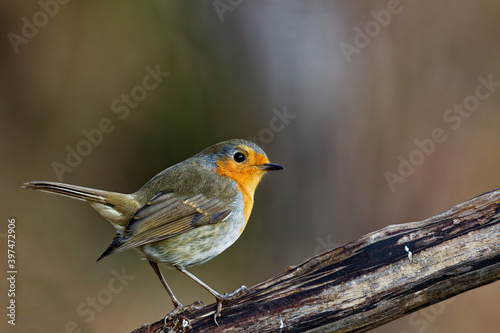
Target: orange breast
(247, 178)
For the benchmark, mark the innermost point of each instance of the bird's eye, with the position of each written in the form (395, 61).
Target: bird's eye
(239, 157)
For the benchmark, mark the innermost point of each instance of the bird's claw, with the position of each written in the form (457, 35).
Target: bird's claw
(228, 297)
(235, 294)
(184, 309)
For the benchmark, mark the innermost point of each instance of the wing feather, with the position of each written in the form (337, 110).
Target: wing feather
(165, 216)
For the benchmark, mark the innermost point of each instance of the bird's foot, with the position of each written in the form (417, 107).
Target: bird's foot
(184, 309)
(228, 297)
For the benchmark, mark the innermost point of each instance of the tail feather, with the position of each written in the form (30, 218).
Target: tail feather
(117, 208)
(73, 191)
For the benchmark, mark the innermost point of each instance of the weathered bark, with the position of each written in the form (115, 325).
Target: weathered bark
(370, 281)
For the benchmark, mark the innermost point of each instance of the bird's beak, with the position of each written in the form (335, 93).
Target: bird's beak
(271, 167)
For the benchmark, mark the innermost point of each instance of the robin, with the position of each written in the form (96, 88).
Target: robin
(185, 215)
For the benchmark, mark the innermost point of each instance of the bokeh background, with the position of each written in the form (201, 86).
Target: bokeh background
(232, 68)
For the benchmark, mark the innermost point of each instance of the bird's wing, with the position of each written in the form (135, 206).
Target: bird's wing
(165, 216)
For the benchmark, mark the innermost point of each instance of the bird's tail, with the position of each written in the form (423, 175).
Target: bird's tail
(117, 208)
(77, 192)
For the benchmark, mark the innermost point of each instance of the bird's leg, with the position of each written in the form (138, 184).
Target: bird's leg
(219, 297)
(178, 306)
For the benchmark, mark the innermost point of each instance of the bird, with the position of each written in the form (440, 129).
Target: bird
(185, 215)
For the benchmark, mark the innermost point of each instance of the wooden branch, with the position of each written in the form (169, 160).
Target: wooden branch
(368, 282)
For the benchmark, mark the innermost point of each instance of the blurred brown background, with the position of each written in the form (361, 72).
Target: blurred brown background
(232, 68)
